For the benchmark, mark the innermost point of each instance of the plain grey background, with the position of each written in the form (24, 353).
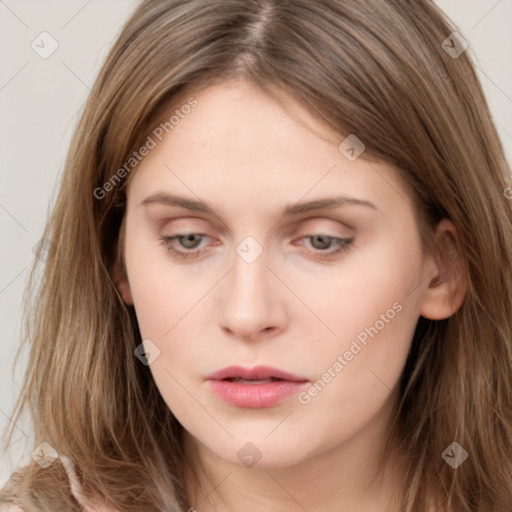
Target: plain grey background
(40, 99)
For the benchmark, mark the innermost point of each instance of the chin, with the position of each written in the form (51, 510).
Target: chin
(260, 453)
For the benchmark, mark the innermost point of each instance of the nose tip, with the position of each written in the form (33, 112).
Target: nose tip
(250, 300)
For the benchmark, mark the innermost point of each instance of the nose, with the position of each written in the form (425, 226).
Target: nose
(252, 300)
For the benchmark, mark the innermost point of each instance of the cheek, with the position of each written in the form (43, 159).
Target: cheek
(356, 379)
(163, 292)
(170, 307)
(374, 316)
(372, 281)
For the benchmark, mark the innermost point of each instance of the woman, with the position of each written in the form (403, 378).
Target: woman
(279, 272)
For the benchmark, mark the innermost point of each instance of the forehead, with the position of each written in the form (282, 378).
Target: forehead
(242, 144)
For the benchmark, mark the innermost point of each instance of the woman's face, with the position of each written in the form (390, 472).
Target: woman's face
(330, 294)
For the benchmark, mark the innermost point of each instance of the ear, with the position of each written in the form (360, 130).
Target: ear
(119, 275)
(121, 281)
(447, 281)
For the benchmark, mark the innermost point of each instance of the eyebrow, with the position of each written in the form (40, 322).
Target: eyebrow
(295, 209)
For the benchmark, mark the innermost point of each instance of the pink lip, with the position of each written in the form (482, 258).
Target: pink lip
(255, 396)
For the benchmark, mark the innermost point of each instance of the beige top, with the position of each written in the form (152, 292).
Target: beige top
(76, 490)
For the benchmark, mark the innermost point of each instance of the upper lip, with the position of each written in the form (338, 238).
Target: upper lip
(255, 373)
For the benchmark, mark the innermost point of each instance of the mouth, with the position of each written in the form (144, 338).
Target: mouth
(255, 388)
(256, 375)
(251, 381)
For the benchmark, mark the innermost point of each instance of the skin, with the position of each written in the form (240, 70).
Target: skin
(248, 157)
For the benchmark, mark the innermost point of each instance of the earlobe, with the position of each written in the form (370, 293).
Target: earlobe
(446, 279)
(122, 284)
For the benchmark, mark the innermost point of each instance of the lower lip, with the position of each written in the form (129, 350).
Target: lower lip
(255, 396)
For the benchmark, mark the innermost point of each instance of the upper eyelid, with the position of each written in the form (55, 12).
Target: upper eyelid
(296, 225)
(301, 236)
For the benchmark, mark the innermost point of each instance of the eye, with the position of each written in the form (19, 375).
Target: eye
(322, 242)
(188, 241)
(324, 246)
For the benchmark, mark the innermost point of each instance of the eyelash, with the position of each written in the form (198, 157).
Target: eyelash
(343, 245)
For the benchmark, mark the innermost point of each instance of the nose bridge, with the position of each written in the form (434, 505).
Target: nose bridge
(250, 304)
(249, 279)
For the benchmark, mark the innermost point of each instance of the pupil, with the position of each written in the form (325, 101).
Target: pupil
(326, 240)
(189, 238)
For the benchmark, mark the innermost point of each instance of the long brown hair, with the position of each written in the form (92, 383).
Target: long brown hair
(379, 69)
